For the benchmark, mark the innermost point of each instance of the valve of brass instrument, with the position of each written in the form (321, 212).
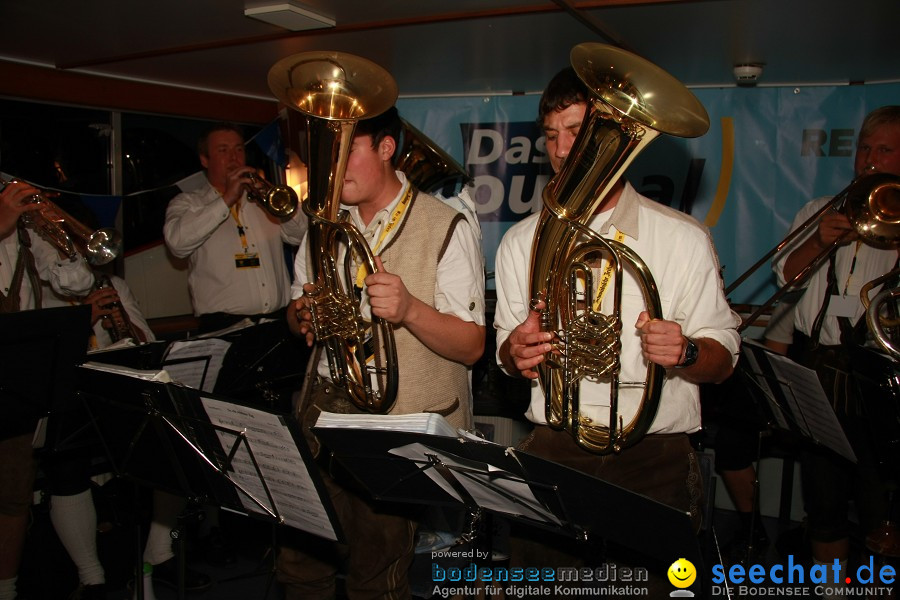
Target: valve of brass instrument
(280, 200)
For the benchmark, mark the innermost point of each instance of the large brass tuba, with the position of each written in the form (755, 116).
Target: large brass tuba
(334, 90)
(633, 101)
(426, 165)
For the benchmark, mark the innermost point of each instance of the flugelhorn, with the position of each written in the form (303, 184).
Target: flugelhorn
(280, 200)
(334, 90)
(632, 102)
(69, 235)
(872, 205)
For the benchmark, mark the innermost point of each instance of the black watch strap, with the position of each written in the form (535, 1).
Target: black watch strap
(691, 352)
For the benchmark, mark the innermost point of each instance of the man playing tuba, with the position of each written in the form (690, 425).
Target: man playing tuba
(430, 286)
(695, 340)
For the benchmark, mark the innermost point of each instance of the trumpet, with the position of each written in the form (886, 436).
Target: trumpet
(280, 200)
(69, 235)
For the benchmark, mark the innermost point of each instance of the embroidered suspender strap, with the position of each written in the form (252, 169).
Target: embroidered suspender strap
(30, 268)
(24, 264)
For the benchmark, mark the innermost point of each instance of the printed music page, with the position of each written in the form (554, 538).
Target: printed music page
(196, 363)
(803, 386)
(491, 488)
(430, 423)
(294, 497)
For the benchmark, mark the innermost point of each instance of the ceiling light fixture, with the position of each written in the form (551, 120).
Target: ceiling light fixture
(289, 15)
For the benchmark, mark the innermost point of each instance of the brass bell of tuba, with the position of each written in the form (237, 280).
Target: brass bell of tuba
(632, 102)
(69, 235)
(334, 90)
(425, 164)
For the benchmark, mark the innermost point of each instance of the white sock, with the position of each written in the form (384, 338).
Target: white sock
(8, 589)
(75, 522)
(166, 509)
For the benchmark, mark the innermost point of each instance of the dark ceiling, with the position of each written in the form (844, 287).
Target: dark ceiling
(456, 47)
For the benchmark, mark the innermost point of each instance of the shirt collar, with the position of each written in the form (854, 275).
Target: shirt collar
(625, 215)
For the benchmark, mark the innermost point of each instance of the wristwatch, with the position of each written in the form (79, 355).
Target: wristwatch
(691, 352)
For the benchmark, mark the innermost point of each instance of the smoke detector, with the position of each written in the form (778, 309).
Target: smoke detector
(747, 74)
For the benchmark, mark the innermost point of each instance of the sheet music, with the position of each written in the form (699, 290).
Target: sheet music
(242, 324)
(295, 496)
(196, 363)
(762, 382)
(492, 488)
(430, 423)
(146, 375)
(805, 391)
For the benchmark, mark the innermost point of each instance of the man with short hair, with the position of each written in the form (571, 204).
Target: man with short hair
(829, 321)
(235, 248)
(430, 287)
(695, 339)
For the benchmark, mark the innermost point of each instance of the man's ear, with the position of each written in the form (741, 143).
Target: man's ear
(387, 147)
(204, 161)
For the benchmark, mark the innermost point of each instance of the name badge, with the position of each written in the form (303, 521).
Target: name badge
(246, 261)
(843, 306)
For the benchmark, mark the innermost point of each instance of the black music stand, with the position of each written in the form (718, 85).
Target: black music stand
(206, 449)
(794, 398)
(264, 365)
(401, 466)
(39, 353)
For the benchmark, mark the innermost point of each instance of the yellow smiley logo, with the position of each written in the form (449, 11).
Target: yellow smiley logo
(682, 573)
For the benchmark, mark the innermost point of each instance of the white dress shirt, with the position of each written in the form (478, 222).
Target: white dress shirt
(855, 265)
(199, 225)
(66, 277)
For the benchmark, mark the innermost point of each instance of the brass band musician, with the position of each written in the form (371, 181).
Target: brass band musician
(26, 259)
(430, 286)
(696, 341)
(828, 320)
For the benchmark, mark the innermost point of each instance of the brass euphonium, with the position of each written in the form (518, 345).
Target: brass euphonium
(334, 90)
(69, 235)
(632, 102)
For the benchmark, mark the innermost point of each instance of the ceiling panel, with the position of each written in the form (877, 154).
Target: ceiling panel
(211, 45)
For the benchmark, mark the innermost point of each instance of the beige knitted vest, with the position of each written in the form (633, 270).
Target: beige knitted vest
(428, 382)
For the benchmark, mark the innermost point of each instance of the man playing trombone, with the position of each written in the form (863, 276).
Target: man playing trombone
(825, 323)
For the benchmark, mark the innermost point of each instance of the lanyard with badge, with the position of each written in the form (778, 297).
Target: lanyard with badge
(396, 218)
(842, 305)
(605, 277)
(245, 259)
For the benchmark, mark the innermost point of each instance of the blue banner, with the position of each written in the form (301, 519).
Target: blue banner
(768, 151)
